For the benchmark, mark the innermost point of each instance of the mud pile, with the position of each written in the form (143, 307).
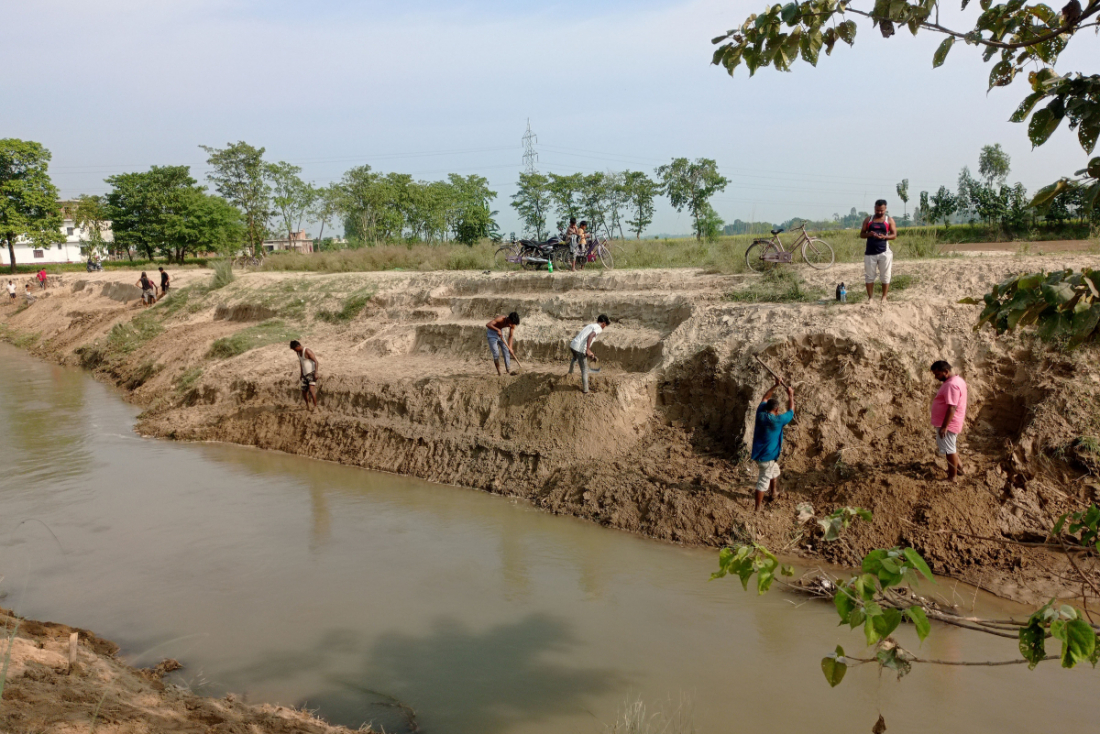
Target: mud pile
(45, 692)
(659, 447)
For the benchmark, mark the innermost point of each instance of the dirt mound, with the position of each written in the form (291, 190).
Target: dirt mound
(659, 447)
(98, 692)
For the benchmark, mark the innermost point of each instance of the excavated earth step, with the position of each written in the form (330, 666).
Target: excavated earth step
(630, 349)
(661, 312)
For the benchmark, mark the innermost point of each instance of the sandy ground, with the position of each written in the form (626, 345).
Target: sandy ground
(658, 448)
(44, 694)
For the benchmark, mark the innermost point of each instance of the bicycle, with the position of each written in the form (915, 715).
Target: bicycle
(765, 254)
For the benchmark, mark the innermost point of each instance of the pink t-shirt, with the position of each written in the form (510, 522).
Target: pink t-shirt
(952, 392)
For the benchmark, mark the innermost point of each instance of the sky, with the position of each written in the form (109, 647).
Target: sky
(428, 87)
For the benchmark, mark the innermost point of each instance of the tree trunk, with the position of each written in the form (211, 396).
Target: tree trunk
(11, 250)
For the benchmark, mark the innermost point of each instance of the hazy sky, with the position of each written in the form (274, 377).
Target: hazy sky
(429, 87)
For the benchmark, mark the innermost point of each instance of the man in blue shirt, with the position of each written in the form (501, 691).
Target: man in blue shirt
(767, 440)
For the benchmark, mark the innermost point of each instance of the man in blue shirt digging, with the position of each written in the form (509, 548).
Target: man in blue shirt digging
(767, 440)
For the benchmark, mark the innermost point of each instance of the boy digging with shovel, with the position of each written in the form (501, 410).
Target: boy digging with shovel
(495, 334)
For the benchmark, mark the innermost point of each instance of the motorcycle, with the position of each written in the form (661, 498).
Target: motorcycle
(93, 266)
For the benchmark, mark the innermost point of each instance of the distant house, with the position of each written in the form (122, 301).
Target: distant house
(298, 242)
(69, 251)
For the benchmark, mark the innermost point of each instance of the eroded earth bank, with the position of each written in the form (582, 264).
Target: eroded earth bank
(407, 386)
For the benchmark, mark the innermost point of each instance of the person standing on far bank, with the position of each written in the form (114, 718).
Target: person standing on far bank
(164, 283)
(767, 440)
(878, 258)
(949, 415)
(308, 368)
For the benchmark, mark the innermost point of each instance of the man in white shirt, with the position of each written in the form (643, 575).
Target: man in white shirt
(581, 347)
(11, 290)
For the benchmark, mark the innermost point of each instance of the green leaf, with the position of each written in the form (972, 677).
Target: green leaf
(1042, 126)
(856, 618)
(865, 514)
(1078, 642)
(790, 13)
(941, 52)
(920, 621)
(887, 622)
(810, 46)
(970, 301)
(1033, 642)
(1026, 106)
(834, 668)
(894, 660)
(843, 602)
(915, 561)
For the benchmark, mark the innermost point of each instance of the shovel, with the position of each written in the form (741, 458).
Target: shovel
(769, 369)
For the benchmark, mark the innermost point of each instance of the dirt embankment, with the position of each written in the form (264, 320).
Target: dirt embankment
(659, 447)
(57, 687)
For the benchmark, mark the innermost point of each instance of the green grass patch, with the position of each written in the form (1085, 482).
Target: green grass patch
(857, 292)
(267, 332)
(778, 285)
(128, 337)
(351, 307)
(26, 341)
(188, 379)
(223, 275)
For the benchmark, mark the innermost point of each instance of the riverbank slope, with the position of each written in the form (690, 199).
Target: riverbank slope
(43, 692)
(659, 447)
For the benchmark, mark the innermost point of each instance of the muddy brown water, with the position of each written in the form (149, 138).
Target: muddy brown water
(360, 594)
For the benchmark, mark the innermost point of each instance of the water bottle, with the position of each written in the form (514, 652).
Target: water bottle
(550, 266)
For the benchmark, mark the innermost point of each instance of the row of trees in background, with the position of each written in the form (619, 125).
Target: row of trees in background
(610, 200)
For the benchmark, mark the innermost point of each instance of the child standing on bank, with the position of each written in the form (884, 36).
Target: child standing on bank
(842, 293)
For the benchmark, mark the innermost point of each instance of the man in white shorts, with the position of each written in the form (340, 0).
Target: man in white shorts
(949, 415)
(767, 440)
(878, 259)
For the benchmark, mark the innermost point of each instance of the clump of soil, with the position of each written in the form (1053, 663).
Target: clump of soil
(98, 692)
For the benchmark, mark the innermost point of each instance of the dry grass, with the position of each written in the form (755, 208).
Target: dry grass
(726, 255)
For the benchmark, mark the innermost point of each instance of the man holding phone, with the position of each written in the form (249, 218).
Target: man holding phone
(878, 259)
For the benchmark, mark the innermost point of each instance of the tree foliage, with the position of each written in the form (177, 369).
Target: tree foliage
(28, 198)
(994, 165)
(532, 202)
(1019, 36)
(1061, 305)
(940, 206)
(639, 191)
(691, 184)
(91, 216)
(291, 197)
(903, 194)
(163, 211)
(241, 175)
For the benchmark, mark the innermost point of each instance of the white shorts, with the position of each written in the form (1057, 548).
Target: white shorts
(947, 444)
(878, 265)
(769, 470)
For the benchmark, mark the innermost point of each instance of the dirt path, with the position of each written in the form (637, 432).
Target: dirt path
(658, 448)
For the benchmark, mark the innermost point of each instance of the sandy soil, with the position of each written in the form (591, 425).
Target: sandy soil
(407, 386)
(98, 692)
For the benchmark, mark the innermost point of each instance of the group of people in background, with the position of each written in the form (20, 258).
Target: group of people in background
(149, 288)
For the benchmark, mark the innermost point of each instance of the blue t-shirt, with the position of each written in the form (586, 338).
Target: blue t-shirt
(767, 435)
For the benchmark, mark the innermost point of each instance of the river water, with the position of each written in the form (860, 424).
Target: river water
(307, 583)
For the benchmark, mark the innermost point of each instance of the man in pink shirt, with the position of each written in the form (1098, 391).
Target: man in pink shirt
(948, 415)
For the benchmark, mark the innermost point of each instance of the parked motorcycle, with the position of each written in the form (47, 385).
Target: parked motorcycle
(93, 266)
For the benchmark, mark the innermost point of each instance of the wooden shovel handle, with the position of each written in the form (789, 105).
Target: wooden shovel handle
(769, 369)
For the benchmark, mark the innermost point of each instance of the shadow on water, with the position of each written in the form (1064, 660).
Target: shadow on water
(486, 681)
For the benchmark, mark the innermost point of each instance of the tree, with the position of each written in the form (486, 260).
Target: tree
(532, 201)
(639, 190)
(472, 218)
(359, 200)
(164, 211)
(291, 197)
(940, 206)
(28, 198)
(91, 216)
(691, 184)
(241, 176)
(710, 224)
(566, 192)
(903, 194)
(993, 165)
(1021, 36)
(326, 204)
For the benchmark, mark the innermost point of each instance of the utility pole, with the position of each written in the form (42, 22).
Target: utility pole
(529, 154)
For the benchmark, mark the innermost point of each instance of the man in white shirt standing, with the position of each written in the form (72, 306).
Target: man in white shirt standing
(11, 291)
(581, 347)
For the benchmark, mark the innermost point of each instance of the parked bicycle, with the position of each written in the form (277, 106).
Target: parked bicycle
(766, 254)
(249, 261)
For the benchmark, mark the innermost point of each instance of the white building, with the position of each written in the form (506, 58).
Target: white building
(69, 251)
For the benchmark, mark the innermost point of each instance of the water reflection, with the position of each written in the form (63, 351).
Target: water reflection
(492, 680)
